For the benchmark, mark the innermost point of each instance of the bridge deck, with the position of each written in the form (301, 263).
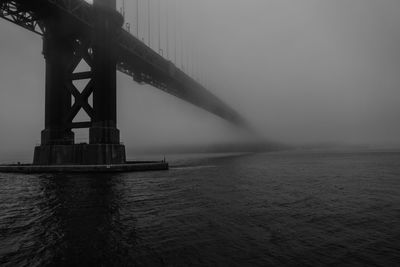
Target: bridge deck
(135, 58)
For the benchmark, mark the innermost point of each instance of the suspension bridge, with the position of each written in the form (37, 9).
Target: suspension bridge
(95, 33)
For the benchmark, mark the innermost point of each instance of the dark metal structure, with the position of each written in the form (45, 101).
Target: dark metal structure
(75, 31)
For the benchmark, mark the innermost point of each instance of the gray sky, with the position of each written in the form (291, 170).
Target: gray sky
(298, 70)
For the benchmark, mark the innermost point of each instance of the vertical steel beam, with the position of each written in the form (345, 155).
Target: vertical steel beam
(104, 125)
(58, 53)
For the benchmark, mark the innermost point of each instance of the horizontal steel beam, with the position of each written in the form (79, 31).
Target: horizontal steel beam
(79, 125)
(82, 75)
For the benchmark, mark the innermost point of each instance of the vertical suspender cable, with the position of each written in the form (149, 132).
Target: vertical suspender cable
(196, 58)
(186, 52)
(193, 62)
(159, 28)
(149, 22)
(167, 31)
(181, 29)
(123, 9)
(137, 19)
(176, 38)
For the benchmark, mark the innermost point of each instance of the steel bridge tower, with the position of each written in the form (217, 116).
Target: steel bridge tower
(77, 33)
(65, 45)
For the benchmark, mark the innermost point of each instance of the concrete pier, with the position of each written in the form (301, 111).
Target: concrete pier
(127, 167)
(79, 154)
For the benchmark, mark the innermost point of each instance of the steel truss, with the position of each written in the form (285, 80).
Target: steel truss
(15, 13)
(82, 52)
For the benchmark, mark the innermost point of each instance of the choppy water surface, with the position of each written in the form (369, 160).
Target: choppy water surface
(286, 208)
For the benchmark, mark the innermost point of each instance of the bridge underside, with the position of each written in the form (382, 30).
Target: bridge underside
(73, 32)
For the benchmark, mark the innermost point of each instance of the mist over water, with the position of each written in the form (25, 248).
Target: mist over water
(276, 209)
(299, 71)
(320, 77)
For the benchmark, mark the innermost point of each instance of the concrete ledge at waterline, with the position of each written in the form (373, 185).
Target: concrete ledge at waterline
(128, 167)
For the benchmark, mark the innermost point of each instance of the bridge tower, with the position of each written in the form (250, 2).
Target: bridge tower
(65, 45)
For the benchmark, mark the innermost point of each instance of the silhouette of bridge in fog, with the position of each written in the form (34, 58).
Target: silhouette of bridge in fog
(87, 43)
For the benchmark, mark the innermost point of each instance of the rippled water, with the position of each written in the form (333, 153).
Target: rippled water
(287, 208)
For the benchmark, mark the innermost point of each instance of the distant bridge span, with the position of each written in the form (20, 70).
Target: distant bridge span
(74, 30)
(135, 58)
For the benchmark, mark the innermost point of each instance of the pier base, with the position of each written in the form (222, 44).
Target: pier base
(82, 158)
(137, 166)
(79, 154)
